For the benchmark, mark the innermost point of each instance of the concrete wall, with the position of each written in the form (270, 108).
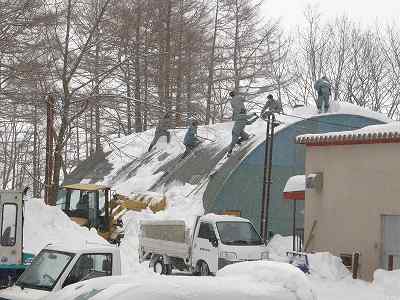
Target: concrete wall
(360, 185)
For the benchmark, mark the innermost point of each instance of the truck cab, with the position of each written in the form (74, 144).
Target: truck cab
(86, 204)
(12, 259)
(58, 266)
(220, 240)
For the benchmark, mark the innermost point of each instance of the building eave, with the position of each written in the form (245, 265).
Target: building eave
(349, 139)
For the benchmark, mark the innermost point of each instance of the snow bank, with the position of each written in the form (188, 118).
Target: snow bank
(327, 266)
(389, 282)
(179, 207)
(45, 224)
(271, 273)
(322, 265)
(154, 287)
(278, 246)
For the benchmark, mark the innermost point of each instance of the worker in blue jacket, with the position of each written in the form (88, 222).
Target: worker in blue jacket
(191, 140)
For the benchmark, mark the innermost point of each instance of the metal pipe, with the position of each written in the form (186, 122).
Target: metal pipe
(263, 198)
(294, 225)
(268, 196)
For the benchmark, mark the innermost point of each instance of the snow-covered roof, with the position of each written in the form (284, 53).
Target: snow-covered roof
(295, 188)
(295, 184)
(386, 133)
(163, 222)
(84, 247)
(222, 218)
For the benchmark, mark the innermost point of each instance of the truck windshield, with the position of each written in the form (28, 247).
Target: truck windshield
(238, 233)
(45, 270)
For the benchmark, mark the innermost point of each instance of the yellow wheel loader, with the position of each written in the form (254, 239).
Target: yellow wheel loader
(93, 206)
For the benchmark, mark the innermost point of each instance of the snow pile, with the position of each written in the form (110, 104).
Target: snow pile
(389, 282)
(278, 246)
(327, 266)
(352, 109)
(179, 208)
(45, 225)
(271, 273)
(154, 287)
(322, 265)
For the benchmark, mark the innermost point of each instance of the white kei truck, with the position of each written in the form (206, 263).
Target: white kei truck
(58, 266)
(55, 267)
(215, 241)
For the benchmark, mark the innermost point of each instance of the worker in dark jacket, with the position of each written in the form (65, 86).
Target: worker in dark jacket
(237, 103)
(161, 130)
(191, 140)
(323, 88)
(271, 106)
(238, 133)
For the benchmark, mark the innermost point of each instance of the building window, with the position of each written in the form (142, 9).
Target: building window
(206, 231)
(90, 266)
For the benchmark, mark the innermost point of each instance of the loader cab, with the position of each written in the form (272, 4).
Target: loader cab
(86, 204)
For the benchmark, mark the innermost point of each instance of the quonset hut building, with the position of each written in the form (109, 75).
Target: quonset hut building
(238, 188)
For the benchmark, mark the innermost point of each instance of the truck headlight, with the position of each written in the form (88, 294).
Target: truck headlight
(265, 255)
(228, 255)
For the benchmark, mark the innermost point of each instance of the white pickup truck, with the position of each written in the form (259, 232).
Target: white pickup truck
(215, 242)
(57, 266)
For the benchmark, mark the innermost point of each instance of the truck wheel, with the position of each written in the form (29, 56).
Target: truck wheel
(159, 267)
(204, 270)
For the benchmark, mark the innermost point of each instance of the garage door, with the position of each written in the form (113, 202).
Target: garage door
(391, 242)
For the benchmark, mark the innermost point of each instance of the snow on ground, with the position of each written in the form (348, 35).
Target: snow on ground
(327, 266)
(154, 287)
(323, 265)
(45, 224)
(278, 246)
(271, 273)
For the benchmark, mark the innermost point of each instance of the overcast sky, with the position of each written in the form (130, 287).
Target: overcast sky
(363, 11)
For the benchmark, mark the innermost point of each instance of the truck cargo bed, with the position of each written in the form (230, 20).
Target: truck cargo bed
(169, 248)
(169, 237)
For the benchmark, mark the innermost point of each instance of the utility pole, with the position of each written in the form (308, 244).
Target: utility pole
(49, 149)
(266, 193)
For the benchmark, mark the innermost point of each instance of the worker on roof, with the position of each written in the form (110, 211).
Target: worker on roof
(237, 103)
(323, 88)
(191, 140)
(162, 130)
(271, 106)
(238, 133)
